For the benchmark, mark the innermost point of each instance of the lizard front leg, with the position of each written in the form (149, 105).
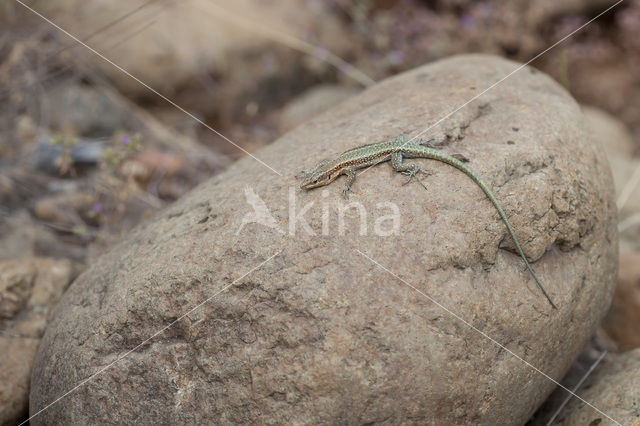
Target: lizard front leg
(351, 177)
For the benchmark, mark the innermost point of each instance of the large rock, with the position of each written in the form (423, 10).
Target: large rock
(611, 133)
(613, 388)
(170, 46)
(617, 142)
(626, 178)
(621, 323)
(319, 333)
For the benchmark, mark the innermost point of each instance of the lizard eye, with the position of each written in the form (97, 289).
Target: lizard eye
(315, 181)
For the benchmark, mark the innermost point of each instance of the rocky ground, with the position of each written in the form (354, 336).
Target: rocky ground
(87, 155)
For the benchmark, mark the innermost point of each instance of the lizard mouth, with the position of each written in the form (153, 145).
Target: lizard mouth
(310, 183)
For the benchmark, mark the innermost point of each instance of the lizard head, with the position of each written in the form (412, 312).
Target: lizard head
(320, 176)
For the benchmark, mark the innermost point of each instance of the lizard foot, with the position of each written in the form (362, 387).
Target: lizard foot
(345, 192)
(413, 174)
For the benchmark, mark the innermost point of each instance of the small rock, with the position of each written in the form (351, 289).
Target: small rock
(161, 173)
(65, 209)
(622, 321)
(18, 235)
(29, 289)
(47, 157)
(26, 129)
(84, 111)
(22, 237)
(15, 289)
(612, 388)
(163, 163)
(18, 186)
(8, 192)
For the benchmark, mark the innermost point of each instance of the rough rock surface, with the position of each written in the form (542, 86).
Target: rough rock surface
(28, 291)
(613, 388)
(319, 333)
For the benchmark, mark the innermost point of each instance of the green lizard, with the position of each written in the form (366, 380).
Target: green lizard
(368, 155)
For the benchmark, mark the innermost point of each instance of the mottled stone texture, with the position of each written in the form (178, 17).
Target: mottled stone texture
(320, 334)
(613, 389)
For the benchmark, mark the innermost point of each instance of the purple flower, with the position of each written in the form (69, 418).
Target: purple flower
(396, 57)
(485, 10)
(466, 21)
(97, 207)
(321, 53)
(269, 63)
(126, 140)
(571, 22)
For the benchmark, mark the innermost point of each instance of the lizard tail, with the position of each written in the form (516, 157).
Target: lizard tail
(461, 166)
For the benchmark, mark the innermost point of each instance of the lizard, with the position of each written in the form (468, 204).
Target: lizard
(395, 150)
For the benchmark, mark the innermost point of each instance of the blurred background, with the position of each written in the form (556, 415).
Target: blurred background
(87, 152)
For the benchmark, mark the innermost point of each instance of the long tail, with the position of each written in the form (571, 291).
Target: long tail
(462, 167)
